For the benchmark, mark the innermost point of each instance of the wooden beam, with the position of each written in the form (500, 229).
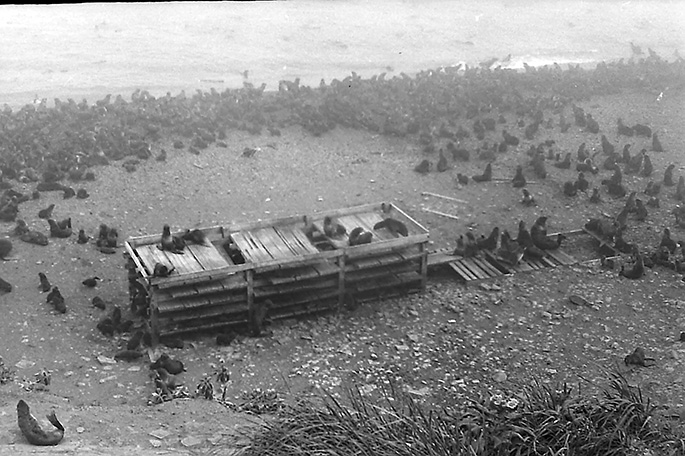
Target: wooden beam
(450, 216)
(448, 198)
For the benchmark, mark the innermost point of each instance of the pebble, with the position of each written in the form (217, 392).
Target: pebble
(160, 433)
(105, 360)
(190, 441)
(499, 376)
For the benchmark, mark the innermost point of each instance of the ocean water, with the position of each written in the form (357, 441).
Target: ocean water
(89, 50)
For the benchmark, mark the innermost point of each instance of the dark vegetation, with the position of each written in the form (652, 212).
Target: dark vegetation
(544, 420)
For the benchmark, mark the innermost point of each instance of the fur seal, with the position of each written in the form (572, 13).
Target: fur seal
(44, 282)
(173, 244)
(394, 226)
(5, 248)
(34, 432)
(47, 212)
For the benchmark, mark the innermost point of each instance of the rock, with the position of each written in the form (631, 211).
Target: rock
(105, 360)
(499, 376)
(160, 433)
(24, 363)
(191, 441)
(155, 443)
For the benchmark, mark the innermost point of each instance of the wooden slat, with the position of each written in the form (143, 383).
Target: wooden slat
(278, 242)
(523, 266)
(409, 218)
(535, 263)
(487, 267)
(137, 261)
(147, 260)
(561, 257)
(475, 269)
(288, 237)
(304, 241)
(548, 261)
(324, 269)
(260, 252)
(213, 233)
(261, 238)
(183, 263)
(249, 251)
(207, 256)
(460, 269)
(267, 246)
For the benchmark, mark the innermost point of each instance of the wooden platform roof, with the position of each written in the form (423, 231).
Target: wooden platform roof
(269, 244)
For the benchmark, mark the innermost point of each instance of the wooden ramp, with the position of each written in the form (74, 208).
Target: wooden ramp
(487, 266)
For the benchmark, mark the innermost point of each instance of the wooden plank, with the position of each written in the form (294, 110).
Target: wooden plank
(409, 218)
(273, 242)
(566, 257)
(147, 261)
(260, 251)
(184, 263)
(287, 235)
(487, 267)
(262, 237)
(522, 267)
(473, 267)
(442, 214)
(547, 261)
(221, 249)
(561, 257)
(137, 261)
(279, 242)
(448, 198)
(401, 242)
(304, 241)
(423, 268)
(534, 263)
(213, 233)
(207, 256)
(324, 269)
(245, 246)
(152, 256)
(460, 269)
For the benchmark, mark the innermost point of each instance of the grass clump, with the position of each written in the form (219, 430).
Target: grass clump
(543, 420)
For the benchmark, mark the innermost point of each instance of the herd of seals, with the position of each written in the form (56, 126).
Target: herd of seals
(55, 147)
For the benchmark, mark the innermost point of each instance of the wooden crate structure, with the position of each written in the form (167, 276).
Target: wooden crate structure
(215, 285)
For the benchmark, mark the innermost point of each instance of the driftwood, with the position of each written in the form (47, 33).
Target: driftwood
(448, 198)
(453, 217)
(509, 180)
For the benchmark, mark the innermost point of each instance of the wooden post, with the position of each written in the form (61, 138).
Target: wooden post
(249, 277)
(154, 321)
(341, 281)
(423, 247)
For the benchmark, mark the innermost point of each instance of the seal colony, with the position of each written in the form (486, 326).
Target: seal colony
(437, 108)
